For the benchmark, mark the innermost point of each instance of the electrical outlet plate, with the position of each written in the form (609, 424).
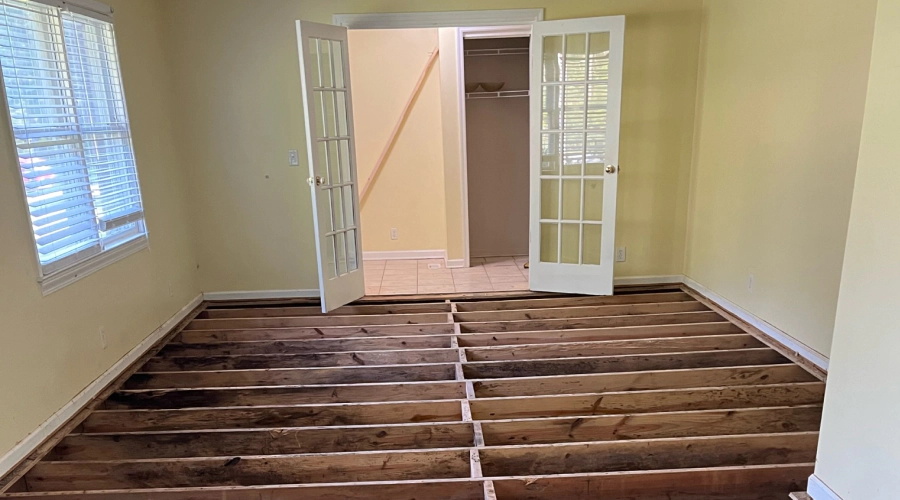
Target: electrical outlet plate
(395, 234)
(293, 158)
(620, 254)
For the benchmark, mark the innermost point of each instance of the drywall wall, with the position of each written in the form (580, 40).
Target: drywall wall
(240, 111)
(497, 150)
(408, 194)
(859, 448)
(777, 136)
(51, 346)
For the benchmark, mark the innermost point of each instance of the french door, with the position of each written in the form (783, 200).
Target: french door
(330, 145)
(576, 91)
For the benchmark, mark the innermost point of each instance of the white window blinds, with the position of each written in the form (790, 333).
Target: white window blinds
(67, 111)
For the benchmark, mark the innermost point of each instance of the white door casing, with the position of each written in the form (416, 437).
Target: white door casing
(328, 112)
(576, 93)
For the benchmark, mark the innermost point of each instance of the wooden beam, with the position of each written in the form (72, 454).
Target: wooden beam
(705, 398)
(642, 381)
(597, 334)
(582, 312)
(404, 114)
(269, 312)
(291, 376)
(615, 347)
(315, 321)
(312, 333)
(625, 363)
(597, 322)
(307, 346)
(574, 301)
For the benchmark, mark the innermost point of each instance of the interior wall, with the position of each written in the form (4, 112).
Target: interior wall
(51, 346)
(859, 448)
(240, 111)
(497, 152)
(408, 194)
(777, 137)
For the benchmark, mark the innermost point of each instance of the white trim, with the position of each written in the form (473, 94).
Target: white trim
(519, 31)
(439, 19)
(788, 341)
(818, 490)
(405, 255)
(650, 280)
(55, 281)
(456, 263)
(262, 294)
(26, 446)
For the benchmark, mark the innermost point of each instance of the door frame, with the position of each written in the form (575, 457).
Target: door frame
(468, 24)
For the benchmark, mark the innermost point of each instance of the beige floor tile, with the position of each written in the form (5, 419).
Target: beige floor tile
(374, 263)
(400, 272)
(401, 263)
(499, 261)
(372, 290)
(460, 281)
(396, 283)
(437, 288)
(398, 290)
(435, 281)
(508, 279)
(474, 287)
(502, 270)
(509, 287)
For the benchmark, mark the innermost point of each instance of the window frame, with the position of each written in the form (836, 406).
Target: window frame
(79, 268)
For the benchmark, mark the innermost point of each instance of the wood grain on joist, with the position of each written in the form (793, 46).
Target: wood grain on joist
(704, 398)
(592, 322)
(307, 346)
(575, 301)
(649, 454)
(613, 347)
(652, 425)
(582, 312)
(322, 360)
(753, 482)
(310, 333)
(624, 363)
(642, 381)
(253, 470)
(313, 321)
(292, 376)
(273, 441)
(113, 421)
(597, 334)
(268, 312)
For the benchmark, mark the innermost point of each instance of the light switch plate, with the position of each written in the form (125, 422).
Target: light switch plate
(293, 158)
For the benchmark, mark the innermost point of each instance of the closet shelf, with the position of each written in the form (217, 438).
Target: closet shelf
(495, 95)
(497, 52)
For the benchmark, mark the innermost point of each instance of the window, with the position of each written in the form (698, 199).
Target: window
(68, 118)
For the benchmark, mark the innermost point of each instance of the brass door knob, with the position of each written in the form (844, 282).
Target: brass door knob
(318, 181)
(610, 169)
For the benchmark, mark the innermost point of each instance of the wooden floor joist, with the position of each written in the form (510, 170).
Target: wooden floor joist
(650, 394)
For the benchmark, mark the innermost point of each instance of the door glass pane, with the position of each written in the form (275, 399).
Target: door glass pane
(322, 159)
(597, 99)
(573, 107)
(330, 266)
(334, 163)
(551, 104)
(550, 154)
(595, 152)
(593, 199)
(570, 244)
(598, 56)
(575, 65)
(337, 55)
(318, 117)
(549, 199)
(344, 146)
(352, 262)
(330, 113)
(337, 209)
(573, 153)
(340, 254)
(314, 63)
(325, 63)
(571, 199)
(549, 242)
(341, 111)
(348, 206)
(552, 63)
(592, 237)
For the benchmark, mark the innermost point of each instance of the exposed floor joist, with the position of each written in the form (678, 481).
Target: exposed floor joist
(649, 394)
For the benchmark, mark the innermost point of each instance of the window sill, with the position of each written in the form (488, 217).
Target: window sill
(65, 277)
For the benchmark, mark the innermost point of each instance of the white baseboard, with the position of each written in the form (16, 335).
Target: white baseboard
(406, 255)
(791, 343)
(26, 446)
(649, 280)
(262, 294)
(818, 490)
(456, 263)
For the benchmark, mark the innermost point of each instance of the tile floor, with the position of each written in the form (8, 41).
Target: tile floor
(489, 274)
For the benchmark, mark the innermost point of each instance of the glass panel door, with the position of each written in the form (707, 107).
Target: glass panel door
(576, 92)
(332, 161)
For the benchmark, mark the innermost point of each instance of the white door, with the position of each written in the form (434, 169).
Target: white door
(325, 77)
(576, 91)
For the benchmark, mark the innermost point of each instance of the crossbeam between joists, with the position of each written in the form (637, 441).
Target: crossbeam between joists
(466, 408)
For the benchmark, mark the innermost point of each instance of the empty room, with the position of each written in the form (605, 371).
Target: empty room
(359, 249)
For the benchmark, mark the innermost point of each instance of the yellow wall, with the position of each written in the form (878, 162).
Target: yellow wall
(235, 62)
(782, 92)
(859, 449)
(50, 346)
(408, 194)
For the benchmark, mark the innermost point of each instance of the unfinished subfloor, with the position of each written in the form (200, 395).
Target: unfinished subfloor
(648, 394)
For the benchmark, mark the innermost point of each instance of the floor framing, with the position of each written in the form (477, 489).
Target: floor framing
(648, 394)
